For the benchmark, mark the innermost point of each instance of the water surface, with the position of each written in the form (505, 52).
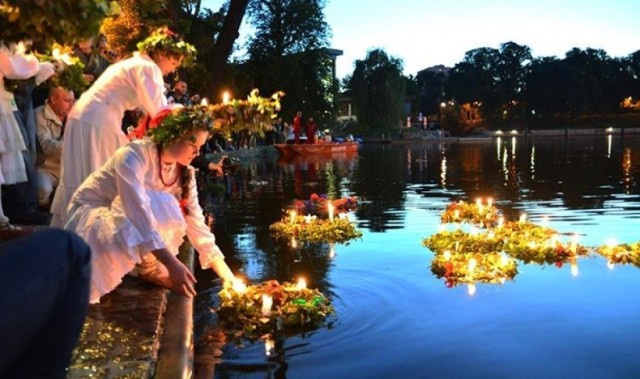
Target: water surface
(394, 318)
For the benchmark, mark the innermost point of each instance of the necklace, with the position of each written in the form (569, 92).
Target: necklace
(160, 172)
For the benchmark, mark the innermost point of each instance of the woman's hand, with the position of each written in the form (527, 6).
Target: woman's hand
(182, 280)
(218, 167)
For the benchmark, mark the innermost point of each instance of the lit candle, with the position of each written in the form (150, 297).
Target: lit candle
(447, 255)
(267, 303)
(292, 216)
(611, 243)
(294, 243)
(472, 265)
(479, 202)
(489, 201)
(302, 284)
(225, 97)
(269, 345)
(523, 217)
(574, 243)
(330, 209)
(239, 286)
(204, 101)
(504, 260)
(545, 220)
(307, 219)
(500, 221)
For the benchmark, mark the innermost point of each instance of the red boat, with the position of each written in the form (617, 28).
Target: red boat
(291, 150)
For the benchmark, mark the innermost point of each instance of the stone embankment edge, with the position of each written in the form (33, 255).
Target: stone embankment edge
(175, 357)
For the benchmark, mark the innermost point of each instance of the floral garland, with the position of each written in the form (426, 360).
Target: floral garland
(312, 229)
(165, 41)
(621, 254)
(255, 114)
(171, 125)
(272, 308)
(478, 213)
(487, 256)
(319, 205)
(458, 268)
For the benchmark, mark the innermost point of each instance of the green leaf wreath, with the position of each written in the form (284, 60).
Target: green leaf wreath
(294, 310)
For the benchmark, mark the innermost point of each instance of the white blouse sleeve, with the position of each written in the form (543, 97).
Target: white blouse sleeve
(150, 88)
(130, 166)
(198, 232)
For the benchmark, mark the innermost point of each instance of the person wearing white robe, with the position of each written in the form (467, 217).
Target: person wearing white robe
(130, 208)
(93, 130)
(15, 64)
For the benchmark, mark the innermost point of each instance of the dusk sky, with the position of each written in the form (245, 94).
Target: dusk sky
(425, 33)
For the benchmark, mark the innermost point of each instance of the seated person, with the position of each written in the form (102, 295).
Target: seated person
(50, 119)
(44, 298)
(179, 94)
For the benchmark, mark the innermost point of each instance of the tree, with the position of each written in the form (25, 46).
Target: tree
(288, 53)
(377, 89)
(47, 21)
(431, 91)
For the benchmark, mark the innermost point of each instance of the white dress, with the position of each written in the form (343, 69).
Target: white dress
(14, 65)
(93, 131)
(124, 210)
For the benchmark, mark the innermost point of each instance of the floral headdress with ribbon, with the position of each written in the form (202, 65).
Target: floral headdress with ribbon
(165, 41)
(173, 124)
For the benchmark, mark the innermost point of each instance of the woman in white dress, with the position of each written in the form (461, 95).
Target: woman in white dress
(142, 202)
(93, 130)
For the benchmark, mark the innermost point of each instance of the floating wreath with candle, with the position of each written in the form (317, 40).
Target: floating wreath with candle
(328, 223)
(621, 254)
(478, 213)
(312, 229)
(456, 268)
(487, 255)
(272, 308)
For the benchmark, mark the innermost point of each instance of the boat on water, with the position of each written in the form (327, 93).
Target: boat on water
(291, 150)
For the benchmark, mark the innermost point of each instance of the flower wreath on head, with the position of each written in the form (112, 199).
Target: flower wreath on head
(163, 40)
(173, 123)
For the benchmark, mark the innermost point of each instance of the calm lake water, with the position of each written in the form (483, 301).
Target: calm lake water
(394, 317)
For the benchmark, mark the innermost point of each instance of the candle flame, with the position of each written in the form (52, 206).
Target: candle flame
(302, 284)
(294, 243)
(523, 217)
(225, 97)
(472, 264)
(204, 101)
(330, 209)
(292, 216)
(238, 286)
(489, 201)
(267, 303)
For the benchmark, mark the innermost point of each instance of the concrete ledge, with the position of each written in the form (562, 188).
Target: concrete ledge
(137, 331)
(175, 359)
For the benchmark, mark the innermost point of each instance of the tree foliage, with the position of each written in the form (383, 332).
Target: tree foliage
(288, 53)
(47, 21)
(377, 89)
(509, 84)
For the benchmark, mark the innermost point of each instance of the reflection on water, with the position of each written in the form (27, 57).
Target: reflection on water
(394, 318)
